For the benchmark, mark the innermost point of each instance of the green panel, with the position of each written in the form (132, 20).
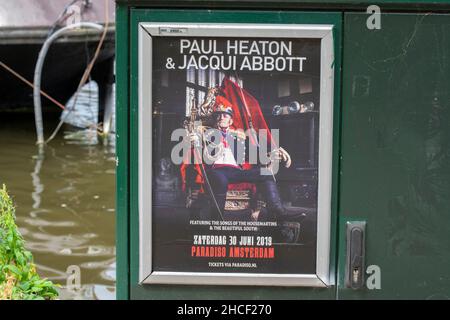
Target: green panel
(220, 292)
(395, 167)
(122, 137)
(410, 5)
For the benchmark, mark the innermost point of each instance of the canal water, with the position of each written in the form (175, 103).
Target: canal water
(65, 202)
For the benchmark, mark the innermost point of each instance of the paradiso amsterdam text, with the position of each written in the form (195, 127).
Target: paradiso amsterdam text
(246, 247)
(233, 252)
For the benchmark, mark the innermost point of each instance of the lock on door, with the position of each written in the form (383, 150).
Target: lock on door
(355, 264)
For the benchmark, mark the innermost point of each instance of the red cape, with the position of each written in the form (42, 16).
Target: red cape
(244, 106)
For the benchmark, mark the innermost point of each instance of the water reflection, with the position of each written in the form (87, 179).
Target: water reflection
(38, 187)
(65, 203)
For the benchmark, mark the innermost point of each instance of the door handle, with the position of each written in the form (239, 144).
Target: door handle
(355, 266)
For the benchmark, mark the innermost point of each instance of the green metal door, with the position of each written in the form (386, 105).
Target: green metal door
(395, 158)
(135, 290)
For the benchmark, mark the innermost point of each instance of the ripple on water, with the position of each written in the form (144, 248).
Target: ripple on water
(64, 200)
(45, 223)
(88, 291)
(107, 265)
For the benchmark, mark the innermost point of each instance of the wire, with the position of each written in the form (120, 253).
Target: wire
(86, 72)
(88, 58)
(15, 73)
(38, 72)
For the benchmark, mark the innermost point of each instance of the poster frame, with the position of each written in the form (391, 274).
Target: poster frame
(147, 31)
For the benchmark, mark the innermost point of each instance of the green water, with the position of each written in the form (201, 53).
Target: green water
(65, 203)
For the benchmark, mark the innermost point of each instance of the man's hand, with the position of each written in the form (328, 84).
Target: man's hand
(281, 155)
(286, 157)
(194, 138)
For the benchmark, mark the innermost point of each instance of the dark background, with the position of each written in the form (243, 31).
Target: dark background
(299, 133)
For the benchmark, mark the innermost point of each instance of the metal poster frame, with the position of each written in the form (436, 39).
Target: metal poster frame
(324, 32)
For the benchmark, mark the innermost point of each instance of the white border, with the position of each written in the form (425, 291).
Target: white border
(323, 32)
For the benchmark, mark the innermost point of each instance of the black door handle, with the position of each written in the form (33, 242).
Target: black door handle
(355, 268)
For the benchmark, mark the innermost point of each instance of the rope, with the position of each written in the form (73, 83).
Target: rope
(16, 74)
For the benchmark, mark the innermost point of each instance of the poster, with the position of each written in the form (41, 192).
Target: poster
(235, 152)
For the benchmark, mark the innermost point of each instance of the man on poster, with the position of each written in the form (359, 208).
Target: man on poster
(228, 164)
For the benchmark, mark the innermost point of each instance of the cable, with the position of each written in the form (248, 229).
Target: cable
(86, 72)
(38, 71)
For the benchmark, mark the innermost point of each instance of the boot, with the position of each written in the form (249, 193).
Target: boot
(273, 199)
(285, 232)
(275, 205)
